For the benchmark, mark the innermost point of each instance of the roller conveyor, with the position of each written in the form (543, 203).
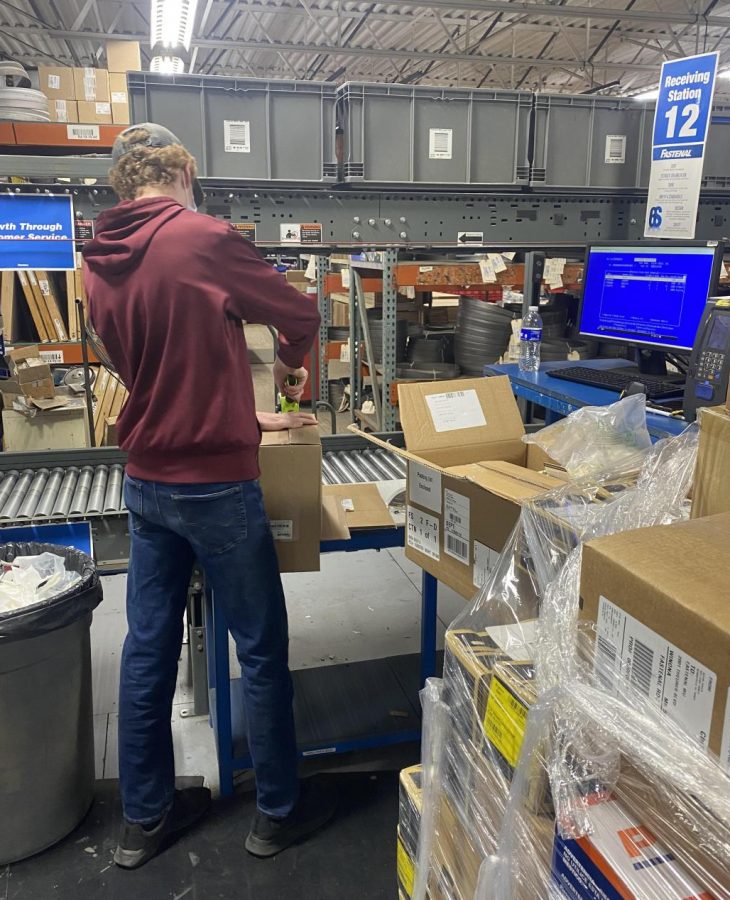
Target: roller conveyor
(57, 486)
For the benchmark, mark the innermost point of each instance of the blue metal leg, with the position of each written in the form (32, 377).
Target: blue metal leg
(551, 416)
(222, 679)
(429, 622)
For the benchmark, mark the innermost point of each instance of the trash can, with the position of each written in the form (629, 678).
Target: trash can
(46, 711)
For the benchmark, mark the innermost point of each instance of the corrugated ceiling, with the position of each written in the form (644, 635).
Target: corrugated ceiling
(538, 45)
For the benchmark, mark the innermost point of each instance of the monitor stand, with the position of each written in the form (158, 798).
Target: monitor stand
(651, 362)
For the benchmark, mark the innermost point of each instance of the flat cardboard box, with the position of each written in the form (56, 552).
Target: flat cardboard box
(362, 505)
(659, 598)
(91, 85)
(291, 481)
(711, 491)
(63, 110)
(57, 82)
(468, 474)
(123, 56)
(95, 113)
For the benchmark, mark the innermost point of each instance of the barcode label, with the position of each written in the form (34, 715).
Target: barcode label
(632, 656)
(82, 132)
(457, 548)
(51, 357)
(615, 149)
(456, 526)
(236, 136)
(440, 143)
(642, 665)
(605, 662)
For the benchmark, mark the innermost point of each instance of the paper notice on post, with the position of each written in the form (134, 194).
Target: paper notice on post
(456, 410)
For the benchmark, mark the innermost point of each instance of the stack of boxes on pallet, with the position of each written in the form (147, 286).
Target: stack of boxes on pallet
(92, 96)
(601, 770)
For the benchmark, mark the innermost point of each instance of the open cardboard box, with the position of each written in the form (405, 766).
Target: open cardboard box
(468, 473)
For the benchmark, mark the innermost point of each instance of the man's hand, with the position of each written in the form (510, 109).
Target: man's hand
(291, 391)
(284, 421)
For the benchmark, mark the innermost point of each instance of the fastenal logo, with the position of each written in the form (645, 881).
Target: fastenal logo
(655, 217)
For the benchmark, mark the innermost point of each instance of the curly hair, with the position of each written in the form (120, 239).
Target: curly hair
(143, 166)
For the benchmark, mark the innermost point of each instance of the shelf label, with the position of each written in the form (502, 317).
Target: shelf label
(236, 136)
(681, 122)
(615, 149)
(82, 133)
(440, 143)
(52, 357)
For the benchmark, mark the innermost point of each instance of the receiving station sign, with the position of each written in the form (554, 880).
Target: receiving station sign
(36, 232)
(681, 122)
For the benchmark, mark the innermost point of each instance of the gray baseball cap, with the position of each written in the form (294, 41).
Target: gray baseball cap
(158, 136)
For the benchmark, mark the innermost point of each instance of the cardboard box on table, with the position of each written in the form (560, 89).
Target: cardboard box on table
(711, 492)
(659, 598)
(468, 473)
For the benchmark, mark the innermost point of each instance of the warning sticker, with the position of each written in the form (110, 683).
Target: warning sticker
(84, 229)
(309, 233)
(423, 533)
(246, 229)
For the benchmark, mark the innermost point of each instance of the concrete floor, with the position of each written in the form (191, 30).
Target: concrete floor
(359, 606)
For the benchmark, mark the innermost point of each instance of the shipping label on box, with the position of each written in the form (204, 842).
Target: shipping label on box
(670, 679)
(424, 484)
(456, 526)
(422, 532)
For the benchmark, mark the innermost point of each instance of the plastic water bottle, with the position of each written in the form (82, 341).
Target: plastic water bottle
(530, 337)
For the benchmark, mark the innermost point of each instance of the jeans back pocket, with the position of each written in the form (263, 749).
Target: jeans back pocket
(212, 516)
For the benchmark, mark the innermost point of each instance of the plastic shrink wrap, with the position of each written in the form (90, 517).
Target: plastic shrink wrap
(514, 650)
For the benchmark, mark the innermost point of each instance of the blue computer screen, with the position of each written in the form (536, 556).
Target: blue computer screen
(36, 232)
(646, 295)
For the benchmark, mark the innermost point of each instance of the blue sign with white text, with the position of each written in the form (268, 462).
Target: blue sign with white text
(684, 107)
(36, 232)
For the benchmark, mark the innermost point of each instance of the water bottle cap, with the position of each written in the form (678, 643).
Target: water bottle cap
(534, 308)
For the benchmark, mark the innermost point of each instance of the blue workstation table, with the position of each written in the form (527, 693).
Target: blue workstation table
(560, 398)
(338, 708)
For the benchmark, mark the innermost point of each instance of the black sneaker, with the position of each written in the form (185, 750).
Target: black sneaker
(315, 807)
(137, 844)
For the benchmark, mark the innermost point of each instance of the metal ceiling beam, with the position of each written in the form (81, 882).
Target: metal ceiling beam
(334, 50)
(508, 7)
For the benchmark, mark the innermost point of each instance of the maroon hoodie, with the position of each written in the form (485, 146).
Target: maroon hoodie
(167, 291)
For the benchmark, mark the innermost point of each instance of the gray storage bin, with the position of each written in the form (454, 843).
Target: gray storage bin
(582, 141)
(401, 134)
(716, 171)
(277, 130)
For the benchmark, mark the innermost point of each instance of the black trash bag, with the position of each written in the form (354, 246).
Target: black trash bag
(63, 610)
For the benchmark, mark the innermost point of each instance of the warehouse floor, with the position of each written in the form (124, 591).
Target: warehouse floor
(360, 606)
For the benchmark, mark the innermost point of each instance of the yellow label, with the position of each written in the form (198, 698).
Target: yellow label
(504, 722)
(406, 869)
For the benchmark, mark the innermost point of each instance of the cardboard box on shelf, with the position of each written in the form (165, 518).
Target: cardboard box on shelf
(711, 492)
(658, 598)
(95, 113)
(91, 85)
(123, 56)
(291, 482)
(57, 82)
(468, 473)
(63, 110)
(51, 429)
(32, 375)
(119, 98)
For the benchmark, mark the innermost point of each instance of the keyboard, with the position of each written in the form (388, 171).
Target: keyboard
(657, 386)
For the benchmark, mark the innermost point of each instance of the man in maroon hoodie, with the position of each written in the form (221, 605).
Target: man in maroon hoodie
(168, 289)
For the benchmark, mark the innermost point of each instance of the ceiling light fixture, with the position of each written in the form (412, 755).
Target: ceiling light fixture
(167, 65)
(172, 23)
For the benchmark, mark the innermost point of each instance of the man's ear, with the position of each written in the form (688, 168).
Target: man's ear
(185, 178)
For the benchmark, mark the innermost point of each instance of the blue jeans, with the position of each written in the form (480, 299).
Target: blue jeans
(224, 527)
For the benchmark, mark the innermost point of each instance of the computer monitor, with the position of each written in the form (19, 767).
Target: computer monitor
(651, 296)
